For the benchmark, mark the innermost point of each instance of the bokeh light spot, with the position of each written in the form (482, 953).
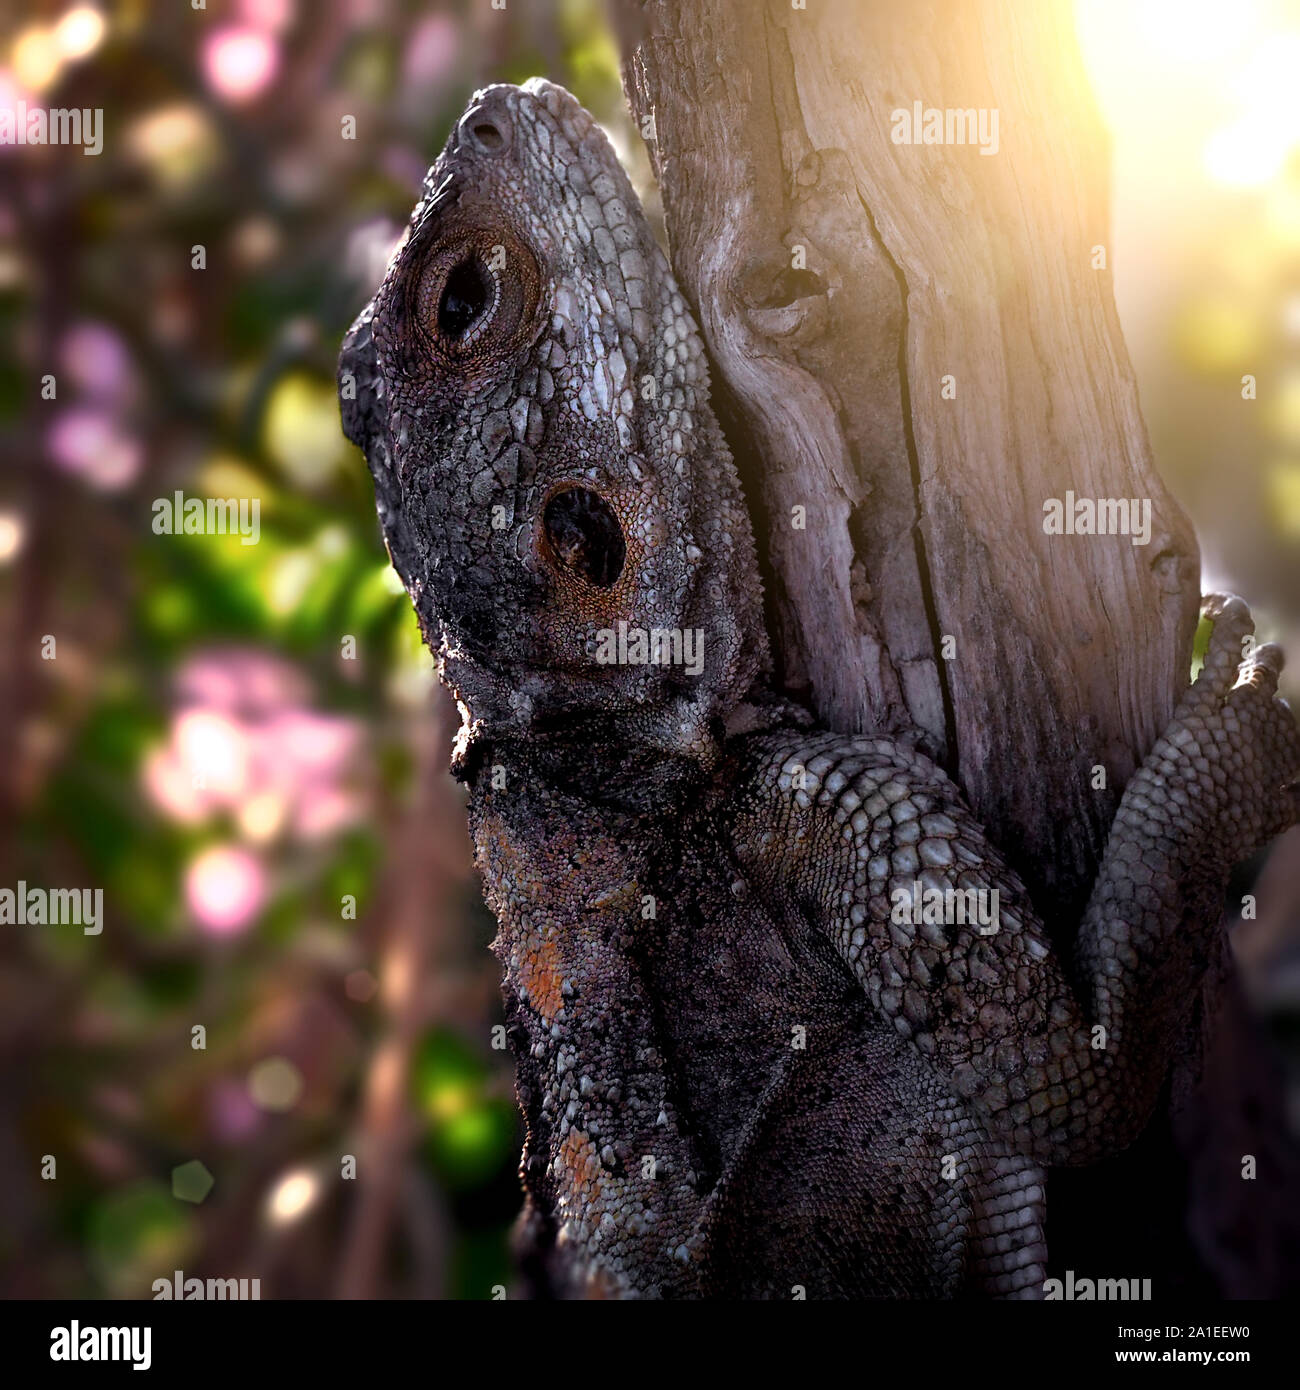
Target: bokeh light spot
(225, 888)
(292, 1197)
(192, 1182)
(239, 63)
(79, 33)
(275, 1084)
(13, 532)
(36, 58)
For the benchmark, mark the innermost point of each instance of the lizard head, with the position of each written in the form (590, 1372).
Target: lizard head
(531, 394)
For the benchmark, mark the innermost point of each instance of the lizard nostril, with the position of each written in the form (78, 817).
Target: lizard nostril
(487, 129)
(584, 536)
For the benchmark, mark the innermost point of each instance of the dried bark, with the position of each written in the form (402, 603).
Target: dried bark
(772, 131)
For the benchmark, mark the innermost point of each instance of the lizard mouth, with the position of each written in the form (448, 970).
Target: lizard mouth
(583, 536)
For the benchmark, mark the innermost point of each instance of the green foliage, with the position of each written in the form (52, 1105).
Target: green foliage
(470, 1131)
(135, 1234)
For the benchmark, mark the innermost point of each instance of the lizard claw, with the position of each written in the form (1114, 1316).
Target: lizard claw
(1233, 743)
(1214, 606)
(1261, 669)
(1230, 639)
(1261, 746)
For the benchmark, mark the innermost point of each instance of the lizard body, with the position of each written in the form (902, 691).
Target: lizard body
(747, 1062)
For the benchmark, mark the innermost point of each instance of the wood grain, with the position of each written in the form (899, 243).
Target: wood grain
(772, 131)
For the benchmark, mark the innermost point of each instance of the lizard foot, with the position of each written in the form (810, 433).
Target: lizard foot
(1235, 743)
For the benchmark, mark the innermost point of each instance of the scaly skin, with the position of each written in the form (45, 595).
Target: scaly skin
(744, 1068)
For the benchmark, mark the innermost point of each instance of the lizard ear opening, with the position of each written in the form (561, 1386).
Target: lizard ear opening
(583, 536)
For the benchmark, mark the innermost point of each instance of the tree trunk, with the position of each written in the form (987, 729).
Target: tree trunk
(916, 346)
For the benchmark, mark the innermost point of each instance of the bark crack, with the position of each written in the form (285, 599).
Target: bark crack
(951, 758)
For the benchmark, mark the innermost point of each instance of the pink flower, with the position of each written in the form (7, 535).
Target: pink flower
(271, 15)
(97, 360)
(431, 51)
(225, 888)
(91, 442)
(231, 1110)
(241, 678)
(239, 62)
(244, 742)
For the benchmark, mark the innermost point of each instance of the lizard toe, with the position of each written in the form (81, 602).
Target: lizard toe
(1259, 672)
(1230, 606)
(1232, 626)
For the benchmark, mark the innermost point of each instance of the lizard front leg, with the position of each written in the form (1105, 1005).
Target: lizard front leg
(857, 832)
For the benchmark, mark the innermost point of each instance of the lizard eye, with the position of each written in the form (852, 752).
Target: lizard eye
(474, 298)
(584, 536)
(468, 299)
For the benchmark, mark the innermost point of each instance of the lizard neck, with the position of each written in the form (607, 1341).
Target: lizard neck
(606, 1157)
(644, 763)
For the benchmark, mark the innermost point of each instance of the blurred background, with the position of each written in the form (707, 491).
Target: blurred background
(243, 745)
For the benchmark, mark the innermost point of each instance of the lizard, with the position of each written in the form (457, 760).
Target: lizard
(746, 1065)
